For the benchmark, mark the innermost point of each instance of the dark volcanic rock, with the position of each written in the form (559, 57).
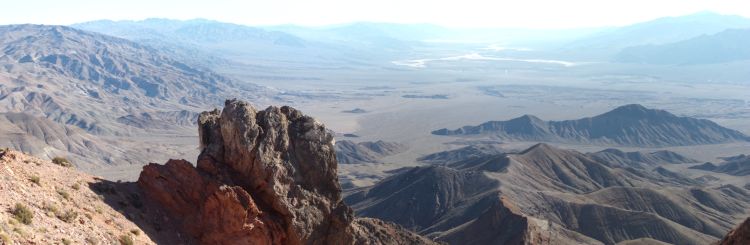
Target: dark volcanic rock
(263, 177)
(738, 236)
(629, 125)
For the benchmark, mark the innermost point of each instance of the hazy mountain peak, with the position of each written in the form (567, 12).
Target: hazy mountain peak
(625, 125)
(540, 148)
(529, 118)
(634, 110)
(79, 74)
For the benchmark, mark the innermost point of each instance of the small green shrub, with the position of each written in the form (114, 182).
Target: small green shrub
(92, 240)
(126, 240)
(22, 214)
(50, 209)
(64, 194)
(76, 186)
(66, 241)
(62, 161)
(68, 217)
(5, 238)
(35, 180)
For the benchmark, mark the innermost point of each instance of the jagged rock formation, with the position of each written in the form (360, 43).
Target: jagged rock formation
(737, 165)
(349, 152)
(263, 177)
(739, 235)
(561, 196)
(629, 125)
(722, 47)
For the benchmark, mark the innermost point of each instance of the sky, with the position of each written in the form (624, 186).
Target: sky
(538, 14)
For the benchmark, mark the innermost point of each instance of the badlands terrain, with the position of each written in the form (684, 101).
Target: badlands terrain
(587, 139)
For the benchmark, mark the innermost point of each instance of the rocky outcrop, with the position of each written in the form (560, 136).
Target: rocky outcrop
(263, 177)
(740, 235)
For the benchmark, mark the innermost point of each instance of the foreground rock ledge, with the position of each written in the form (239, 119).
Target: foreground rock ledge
(263, 177)
(738, 236)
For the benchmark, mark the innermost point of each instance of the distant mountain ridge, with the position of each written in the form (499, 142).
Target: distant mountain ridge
(196, 30)
(51, 68)
(349, 152)
(466, 152)
(729, 45)
(737, 165)
(629, 125)
(639, 159)
(105, 86)
(608, 43)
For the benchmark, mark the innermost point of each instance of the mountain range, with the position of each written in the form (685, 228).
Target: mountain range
(737, 165)
(607, 43)
(466, 152)
(107, 93)
(197, 31)
(561, 196)
(64, 89)
(233, 47)
(726, 46)
(617, 158)
(629, 125)
(222, 44)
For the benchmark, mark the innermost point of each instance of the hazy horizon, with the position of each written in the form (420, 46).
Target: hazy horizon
(467, 14)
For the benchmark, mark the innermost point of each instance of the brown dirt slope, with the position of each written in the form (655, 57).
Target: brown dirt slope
(62, 206)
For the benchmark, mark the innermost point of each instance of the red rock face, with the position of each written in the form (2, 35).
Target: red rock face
(738, 236)
(263, 177)
(209, 212)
